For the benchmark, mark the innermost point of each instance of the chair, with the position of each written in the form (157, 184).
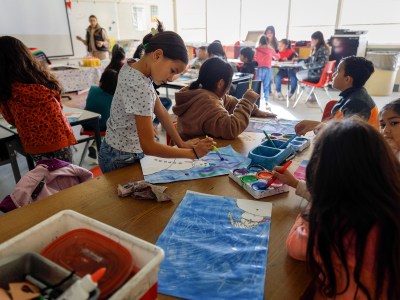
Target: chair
(326, 78)
(242, 87)
(327, 110)
(89, 133)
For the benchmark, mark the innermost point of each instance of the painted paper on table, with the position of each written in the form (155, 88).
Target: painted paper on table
(163, 170)
(215, 248)
(73, 116)
(272, 126)
(300, 173)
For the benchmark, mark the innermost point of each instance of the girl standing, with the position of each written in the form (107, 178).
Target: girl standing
(263, 57)
(129, 129)
(30, 99)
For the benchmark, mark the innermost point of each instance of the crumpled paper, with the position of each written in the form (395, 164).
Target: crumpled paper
(143, 190)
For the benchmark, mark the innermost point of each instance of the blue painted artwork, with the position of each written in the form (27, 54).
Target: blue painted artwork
(215, 248)
(272, 126)
(162, 170)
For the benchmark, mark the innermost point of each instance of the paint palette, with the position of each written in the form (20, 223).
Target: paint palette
(254, 178)
(268, 156)
(299, 143)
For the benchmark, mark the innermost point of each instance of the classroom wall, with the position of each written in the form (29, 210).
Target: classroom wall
(116, 18)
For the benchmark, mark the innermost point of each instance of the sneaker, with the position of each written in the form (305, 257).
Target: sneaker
(312, 99)
(292, 96)
(280, 96)
(92, 152)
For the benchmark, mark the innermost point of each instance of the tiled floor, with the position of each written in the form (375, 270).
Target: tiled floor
(302, 111)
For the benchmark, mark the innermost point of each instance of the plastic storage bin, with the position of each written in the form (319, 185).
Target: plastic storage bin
(269, 157)
(146, 256)
(386, 66)
(14, 269)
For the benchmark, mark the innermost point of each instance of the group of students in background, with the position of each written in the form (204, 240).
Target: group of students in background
(350, 232)
(270, 49)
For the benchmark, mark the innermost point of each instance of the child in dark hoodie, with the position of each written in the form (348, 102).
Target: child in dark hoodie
(264, 55)
(205, 108)
(249, 65)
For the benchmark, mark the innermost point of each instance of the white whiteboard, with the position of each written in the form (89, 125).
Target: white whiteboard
(39, 24)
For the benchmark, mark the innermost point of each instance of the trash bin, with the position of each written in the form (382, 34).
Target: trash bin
(382, 80)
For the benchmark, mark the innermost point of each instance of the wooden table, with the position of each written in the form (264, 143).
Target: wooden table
(146, 219)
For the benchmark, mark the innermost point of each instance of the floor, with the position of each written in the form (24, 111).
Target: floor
(302, 111)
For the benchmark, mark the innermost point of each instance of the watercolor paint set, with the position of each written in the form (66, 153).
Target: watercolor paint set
(271, 155)
(254, 179)
(298, 143)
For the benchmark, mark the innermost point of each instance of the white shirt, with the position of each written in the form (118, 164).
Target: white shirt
(135, 95)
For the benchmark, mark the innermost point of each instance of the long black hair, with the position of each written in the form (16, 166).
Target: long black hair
(117, 56)
(169, 42)
(318, 35)
(211, 71)
(353, 177)
(216, 49)
(17, 64)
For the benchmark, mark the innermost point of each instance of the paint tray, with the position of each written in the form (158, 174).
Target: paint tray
(299, 143)
(254, 182)
(270, 157)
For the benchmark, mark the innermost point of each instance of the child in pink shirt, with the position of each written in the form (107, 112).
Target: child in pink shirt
(264, 55)
(350, 233)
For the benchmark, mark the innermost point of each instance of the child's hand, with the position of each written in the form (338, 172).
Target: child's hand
(204, 146)
(190, 143)
(251, 95)
(264, 114)
(305, 126)
(286, 177)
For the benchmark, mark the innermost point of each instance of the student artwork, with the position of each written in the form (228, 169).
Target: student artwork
(272, 126)
(300, 173)
(163, 170)
(73, 116)
(215, 248)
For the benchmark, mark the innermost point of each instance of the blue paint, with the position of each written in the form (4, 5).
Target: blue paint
(259, 186)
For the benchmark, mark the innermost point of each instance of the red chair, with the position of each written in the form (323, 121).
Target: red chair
(327, 110)
(89, 133)
(326, 78)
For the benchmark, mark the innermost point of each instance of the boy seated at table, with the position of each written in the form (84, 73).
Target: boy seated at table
(201, 57)
(205, 108)
(249, 65)
(349, 78)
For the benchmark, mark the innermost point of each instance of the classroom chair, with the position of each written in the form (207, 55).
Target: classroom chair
(327, 110)
(242, 87)
(324, 81)
(89, 133)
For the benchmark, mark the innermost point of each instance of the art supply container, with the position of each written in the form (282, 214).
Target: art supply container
(269, 157)
(146, 256)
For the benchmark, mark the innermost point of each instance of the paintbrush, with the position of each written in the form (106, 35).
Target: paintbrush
(216, 151)
(269, 139)
(283, 169)
(250, 83)
(288, 141)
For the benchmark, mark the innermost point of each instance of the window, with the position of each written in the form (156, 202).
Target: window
(139, 19)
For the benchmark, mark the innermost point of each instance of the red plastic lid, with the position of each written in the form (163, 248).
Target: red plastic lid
(85, 251)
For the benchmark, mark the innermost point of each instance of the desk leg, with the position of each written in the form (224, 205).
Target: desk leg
(288, 91)
(13, 161)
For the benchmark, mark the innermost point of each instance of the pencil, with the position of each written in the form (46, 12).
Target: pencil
(283, 169)
(269, 139)
(250, 83)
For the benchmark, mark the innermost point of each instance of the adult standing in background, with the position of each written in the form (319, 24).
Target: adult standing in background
(97, 41)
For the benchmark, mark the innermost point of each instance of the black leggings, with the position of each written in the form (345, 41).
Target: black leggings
(64, 154)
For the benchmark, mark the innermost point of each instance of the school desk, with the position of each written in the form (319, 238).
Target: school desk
(286, 65)
(285, 278)
(186, 81)
(14, 144)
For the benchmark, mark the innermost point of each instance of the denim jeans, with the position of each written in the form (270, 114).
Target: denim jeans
(264, 74)
(111, 158)
(291, 74)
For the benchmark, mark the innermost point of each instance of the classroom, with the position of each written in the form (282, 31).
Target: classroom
(197, 149)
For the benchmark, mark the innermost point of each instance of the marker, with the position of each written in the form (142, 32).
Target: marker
(283, 169)
(250, 83)
(216, 150)
(269, 139)
(288, 141)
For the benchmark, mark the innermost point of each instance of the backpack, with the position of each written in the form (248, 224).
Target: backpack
(47, 178)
